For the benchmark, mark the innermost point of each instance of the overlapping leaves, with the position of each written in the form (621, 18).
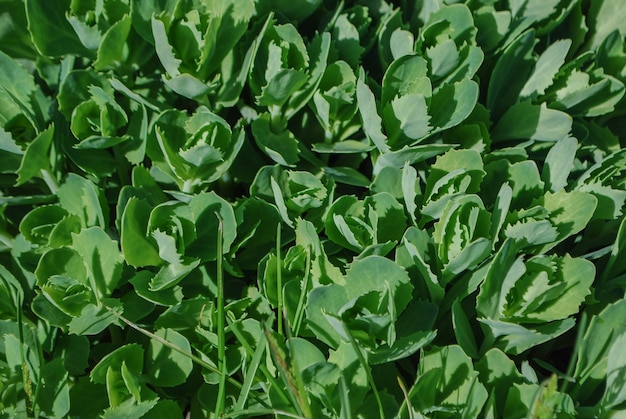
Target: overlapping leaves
(243, 208)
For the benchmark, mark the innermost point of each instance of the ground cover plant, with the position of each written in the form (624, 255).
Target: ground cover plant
(313, 208)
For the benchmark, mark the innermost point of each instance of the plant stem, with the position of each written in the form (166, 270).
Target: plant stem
(187, 186)
(297, 321)
(279, 281)
(50, 180)
(221, 340)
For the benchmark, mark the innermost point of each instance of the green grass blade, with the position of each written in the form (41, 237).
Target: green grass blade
(221, 339)
(251, 371)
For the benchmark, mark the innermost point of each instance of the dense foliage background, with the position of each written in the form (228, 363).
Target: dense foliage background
(311, 208)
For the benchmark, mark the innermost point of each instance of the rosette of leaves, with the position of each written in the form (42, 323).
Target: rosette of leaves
(446, 382)
(411, 108)
(106, 32)
(284, 76)
(605, 181)
(373, 225)
(82, 28)
(498, 28)
(97, 121)
(426, 92)
(600, 364)
(294, 193)
(286, 71)
(77, 282)
(455, 173)
(377, 314)
(334, 104)
(78, 266)
(129, 376)
(353, 34)
(523, 303)
(194, 151)
(546, 92)
(26, 134)
(462, 236)
(81, 205)
(173, 236)
(545, 224)
(196, 39)
(97, 118)
(448, 42)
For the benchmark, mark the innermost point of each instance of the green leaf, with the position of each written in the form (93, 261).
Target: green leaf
(444, 57)
(82, 198)
(97, 142)
(616, 262)
(10, 152)
(36, 157)
(364, 276)
(281, 147)
(111, 47)
(602, 333)
(401, 43)
(403, 347)
(372, 123)
(321, 300)
(510, 74)
(516, 339)
(204, 207)
(546, 69)
(492, 26)
(406, 117)
(129, 410)
(171, 274)
(39, 223)
(604, 18)
(168, 368)
(54, 397)
(164, 50)
(281, 87)
(406, 75)
(347, 175)
(102, 258)
(167, 297)
(615, 393)
(525, 121)
(293, 12)
(498, 373)
(50, 31)
(137, 248)
(410, 154)
(581, 207)
(502, 274)
(559, 163)
(93, 319)
(18, 87)
(131, 355)
(446, 377)
(453, 103)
